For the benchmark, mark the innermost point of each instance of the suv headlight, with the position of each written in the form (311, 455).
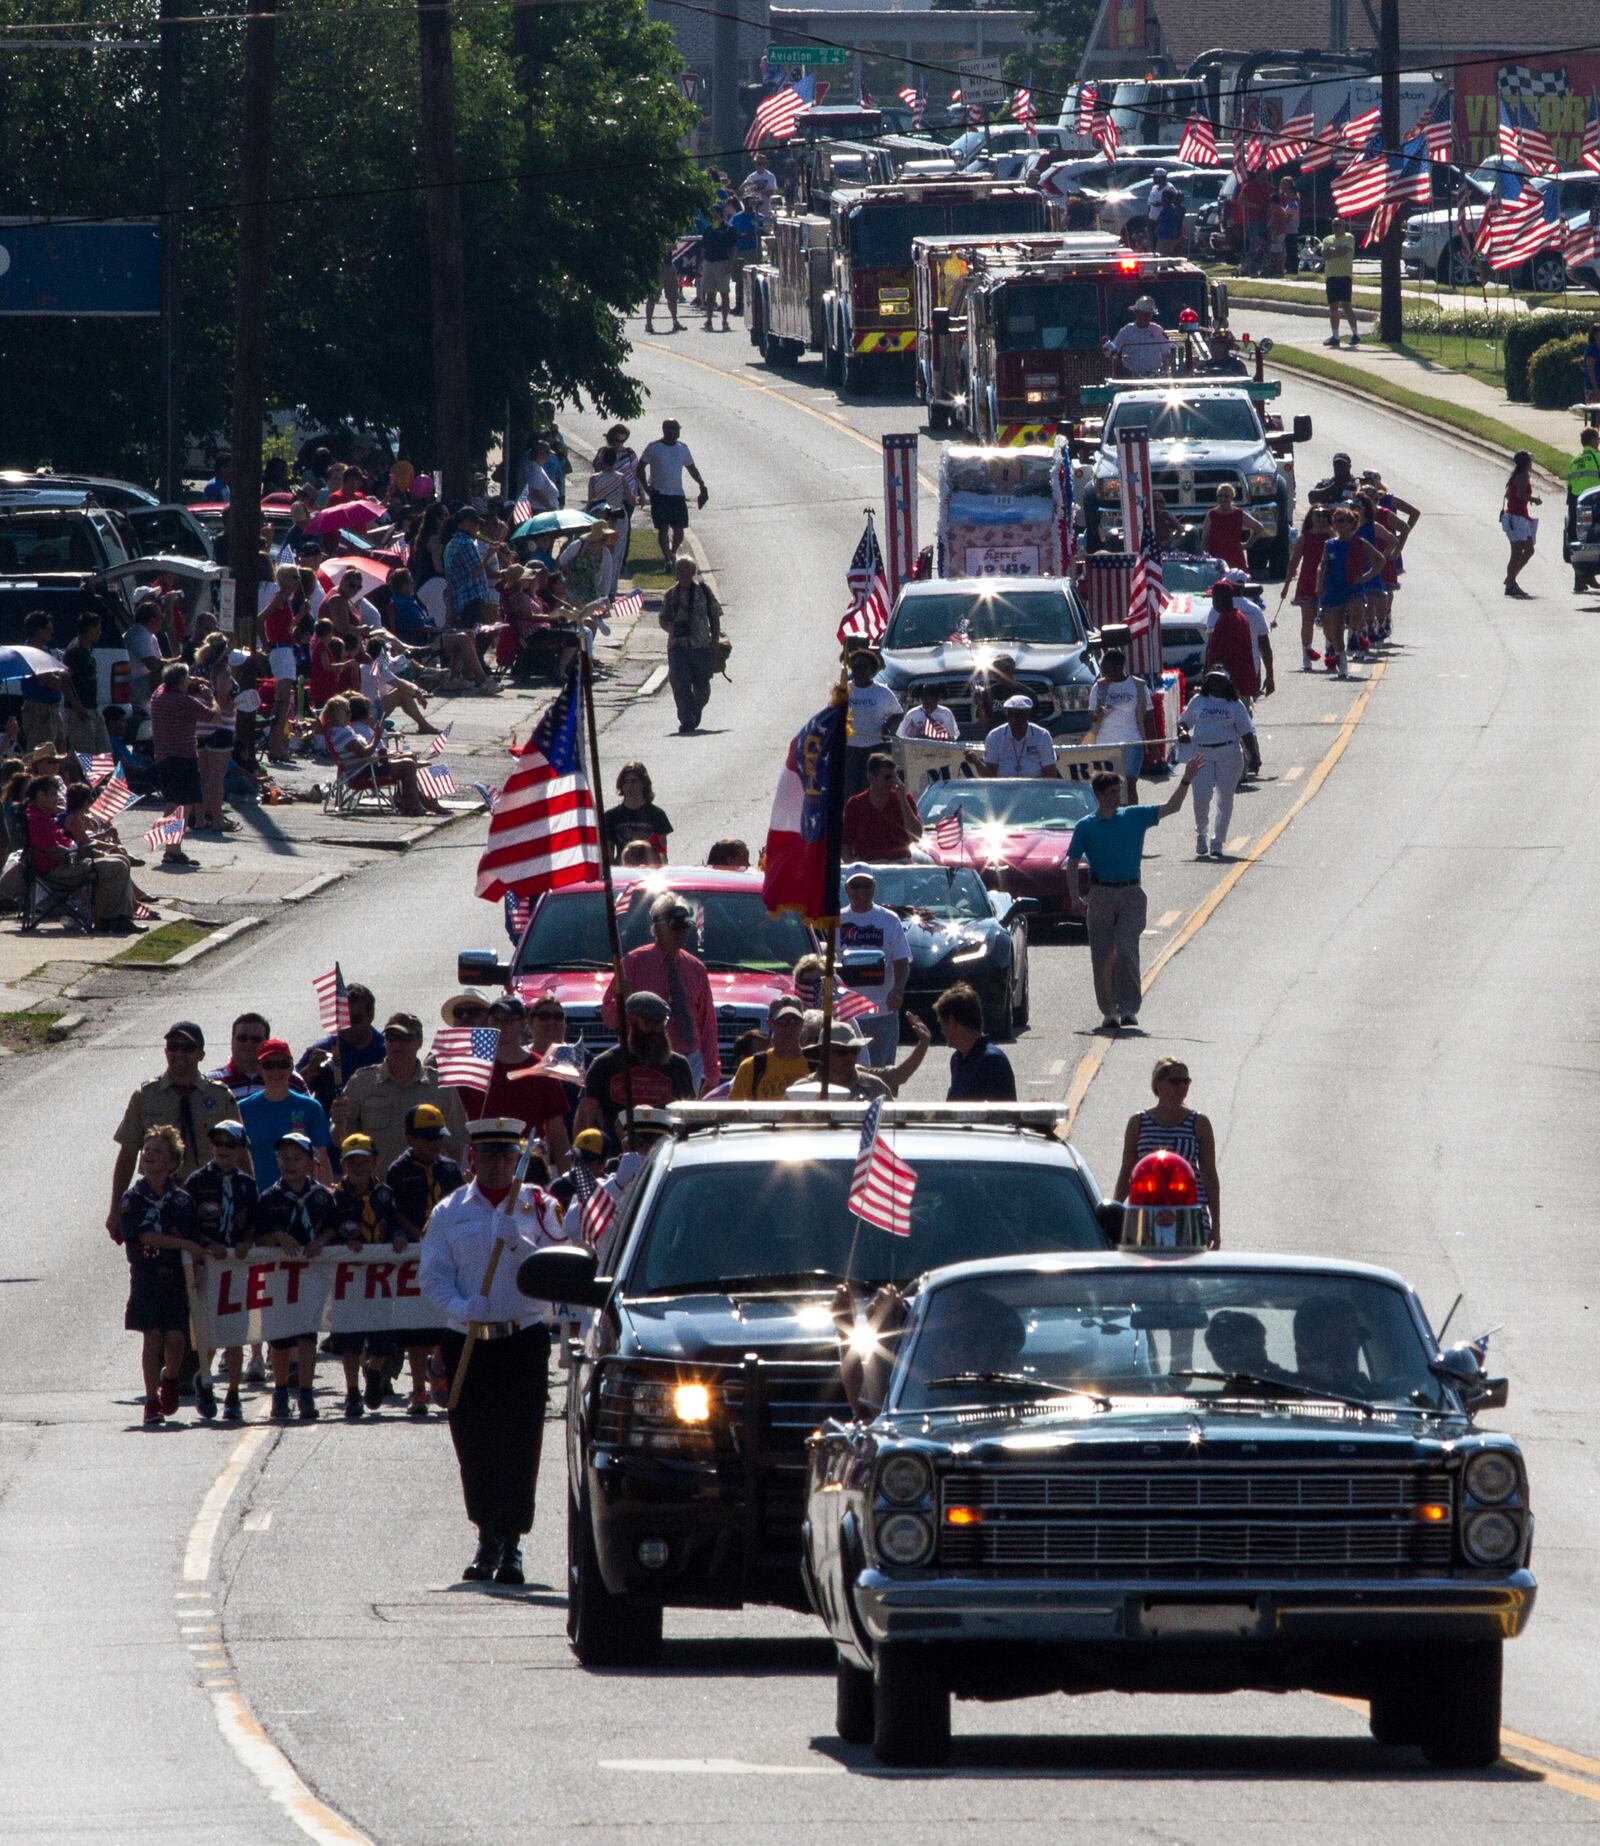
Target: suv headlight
(1108, 483)
(657, 1412)
(1261, 486)
(1491, 1478)
(903, 1480)
(1492, 1537)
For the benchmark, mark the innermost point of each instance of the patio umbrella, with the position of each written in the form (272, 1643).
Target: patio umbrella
(26, 663)
(373, 574)
(565, 519)
(356, 514)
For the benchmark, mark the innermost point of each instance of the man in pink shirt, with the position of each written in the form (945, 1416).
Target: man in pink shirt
(666, 967)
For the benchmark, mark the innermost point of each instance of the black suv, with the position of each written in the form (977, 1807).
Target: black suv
(713, 1353)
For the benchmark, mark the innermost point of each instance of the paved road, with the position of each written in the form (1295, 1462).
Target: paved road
(1391, 1019)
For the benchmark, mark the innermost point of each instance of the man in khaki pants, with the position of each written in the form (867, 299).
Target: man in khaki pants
(1111, 841)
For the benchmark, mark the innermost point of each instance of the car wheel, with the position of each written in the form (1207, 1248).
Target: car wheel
(1023, 998)
(910, 1710)
(1001, 1022)
(1279, 548)
(1454, 269)
(830, 363)
(1393, 1717)
(852, 1702)
(605, 1630)
(855, 376)
(938, 415)
(1547, 274)
(1460, 1719)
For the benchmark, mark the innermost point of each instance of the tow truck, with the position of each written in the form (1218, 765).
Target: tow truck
(1204, 434)
(841, 285)
(1034, 332)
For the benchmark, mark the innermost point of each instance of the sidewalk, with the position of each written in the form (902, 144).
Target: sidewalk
(291, 850)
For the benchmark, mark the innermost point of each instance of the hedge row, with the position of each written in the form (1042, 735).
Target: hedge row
(1555, 375)
(1525, 336)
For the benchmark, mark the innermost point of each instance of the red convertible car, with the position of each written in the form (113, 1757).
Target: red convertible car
(1014, 832)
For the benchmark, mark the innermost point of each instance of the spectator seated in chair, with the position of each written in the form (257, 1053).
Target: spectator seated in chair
(358, 752)
(55, 862)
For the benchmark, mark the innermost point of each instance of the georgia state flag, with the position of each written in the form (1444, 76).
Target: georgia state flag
(801, 863)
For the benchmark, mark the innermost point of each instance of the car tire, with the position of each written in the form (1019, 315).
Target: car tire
(1460, 1721)
(910, 1710)
(1000, 1023)
(1454, 269)
(852, 1702)
(830, 363)
(604, 1630)
(1395, 1705)
(1025, 999)
(1547, 273)
(1279, 547)
(938, 415)
(855, 375)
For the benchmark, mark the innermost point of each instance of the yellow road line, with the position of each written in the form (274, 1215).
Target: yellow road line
(1237, 844)
(203, 1533)
(1525, 1753)
(1089, 1064)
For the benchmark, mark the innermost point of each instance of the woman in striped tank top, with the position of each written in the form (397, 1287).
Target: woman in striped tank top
(1172, 1123)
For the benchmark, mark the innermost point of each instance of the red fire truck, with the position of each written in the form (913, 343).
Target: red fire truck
(841, 285)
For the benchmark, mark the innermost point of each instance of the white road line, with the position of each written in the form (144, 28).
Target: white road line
(1294, 774)
(203, 1533)
(256, 1522)
(273, 1770)
(1059, 1065)
(653, 684)
(1238, 843)
(1329, 717)
(1168, 918)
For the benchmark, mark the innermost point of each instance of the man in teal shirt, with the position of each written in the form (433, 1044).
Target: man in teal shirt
(1112, 843)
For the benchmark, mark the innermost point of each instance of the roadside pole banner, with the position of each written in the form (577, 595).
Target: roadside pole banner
(269, 1295)
(1138, 535)
(900, 507)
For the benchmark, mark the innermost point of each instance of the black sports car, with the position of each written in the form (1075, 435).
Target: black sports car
(960, 930)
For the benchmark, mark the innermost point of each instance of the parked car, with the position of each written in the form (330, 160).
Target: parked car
(148, 525)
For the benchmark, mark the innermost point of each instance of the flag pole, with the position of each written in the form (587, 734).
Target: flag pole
(827, 1005)
(586, 681)
(338, 1064)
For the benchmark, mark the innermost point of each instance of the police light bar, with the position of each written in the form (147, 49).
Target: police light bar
(1260, 391)
(686, 1118)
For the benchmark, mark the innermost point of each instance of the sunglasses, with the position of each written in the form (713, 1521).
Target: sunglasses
(276, 1064)
(399, 1037)
(467, 1015)
(249, 1038)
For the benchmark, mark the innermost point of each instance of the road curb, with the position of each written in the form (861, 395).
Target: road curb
(66, 1025)
(230, 932)
(313, 886)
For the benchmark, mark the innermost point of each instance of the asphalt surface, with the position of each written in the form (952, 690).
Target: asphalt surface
(1390, 1014)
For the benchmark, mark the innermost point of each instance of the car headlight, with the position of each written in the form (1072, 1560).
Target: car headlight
(1261, 486)
(655, 1412)
(1108, 483)
(1491, 1538)
(1491, 1477)
(907, 1538)
(905, 1479)
(972, 952)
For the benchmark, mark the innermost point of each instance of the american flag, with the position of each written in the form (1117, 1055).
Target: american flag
(627, 606)
(436, 780)
(1325, 142)
(436, 745)
(521, 511)
(142, 913)
(598, 1215)
(1198, 148)
(168, 831)
(1534, 142)
(916, 101)
(1146, 588)
(776, 117)
(1435, 128)
(1591, 135)
(868, 583)
(1110, 584)
(1103, 129)
(1531, 222)
(464, 1055)
(948, 829)
(1581, 245)
(1359, 129)
(518, 910)
(1362, 187)
(1086, 99)
(1024, 111)
(94, 767)
(849, 1003)
(934, 731)
(883, 1185)
(1294, 137)
(333, 1004)
(113, 797)
(543, 832)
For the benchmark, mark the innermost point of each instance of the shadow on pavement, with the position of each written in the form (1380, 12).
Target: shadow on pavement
(753, 1659)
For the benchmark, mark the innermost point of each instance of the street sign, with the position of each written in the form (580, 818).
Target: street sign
(689, 86)
(80, 269)
(227, 602)
(810, 54)
(981, 81)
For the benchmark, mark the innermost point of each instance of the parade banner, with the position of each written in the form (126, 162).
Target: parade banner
(925, 760)
(1547, 90)
(269, 1295)
(900, 508)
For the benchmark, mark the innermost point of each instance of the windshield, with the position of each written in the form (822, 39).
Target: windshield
(935, 890)
(1043, 617)
(783, 1217)
(1053, 317)
(732, 929)
(1138, 1334)
(1174, 419)
(1180, 572)
(1171, 294)
(1036, 802)
(29, 546)
(880, 235)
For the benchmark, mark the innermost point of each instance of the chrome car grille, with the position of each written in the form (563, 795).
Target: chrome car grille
(1169, 483)
(1199, 1521)
(591, 1032)
(795, 1399)
(957, 694)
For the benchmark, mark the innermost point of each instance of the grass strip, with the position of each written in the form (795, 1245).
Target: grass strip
(165, 941)
(26, 1031)
(647, 570)
(1472, 422)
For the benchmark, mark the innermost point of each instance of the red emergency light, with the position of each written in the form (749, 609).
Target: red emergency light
(1127, 264)
(1163, 1178)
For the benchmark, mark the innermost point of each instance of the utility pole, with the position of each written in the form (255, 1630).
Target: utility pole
(170, 128)
(446, 273)
(250, 315)
(1389, 306)
(725, 80)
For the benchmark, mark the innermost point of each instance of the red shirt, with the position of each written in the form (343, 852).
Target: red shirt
(1224, 536)
(277, 622)
(878, 833)
(1230, 646)
(514, 1091)
(175, 718)
(48, 841)
(327, 676)
(1305, 588)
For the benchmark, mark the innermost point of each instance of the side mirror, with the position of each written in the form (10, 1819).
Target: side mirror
(941, 320)
(482, 968)
(1109, 1214)
(1020, 907)
(564, 1272)
(863, 968)
(1492, 1394)
(1302, 429)
(1461, 1367)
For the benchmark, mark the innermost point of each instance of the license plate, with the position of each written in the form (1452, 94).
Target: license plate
(1204, 1618)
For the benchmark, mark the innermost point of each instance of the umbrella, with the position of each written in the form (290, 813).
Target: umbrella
(372, 573)
(26, 662)
(566, 519)
(356, 514)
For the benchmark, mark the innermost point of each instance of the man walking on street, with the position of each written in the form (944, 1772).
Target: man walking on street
(692, 617)
(666, 968)
(979, 1070)
(1111, 841)
(660, 473)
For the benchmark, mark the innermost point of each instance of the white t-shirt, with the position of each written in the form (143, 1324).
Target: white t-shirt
(1142, 350)
(871, 708)
(378, 677)
(916, 723)
(543, 494)
(142, 646)
(876, 928)
(762, 180)
(1032, 755)
(1213, 722)
(666, 462)
(1121, 701)
(1255, 615)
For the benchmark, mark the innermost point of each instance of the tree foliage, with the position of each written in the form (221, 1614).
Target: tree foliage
(574, 181)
